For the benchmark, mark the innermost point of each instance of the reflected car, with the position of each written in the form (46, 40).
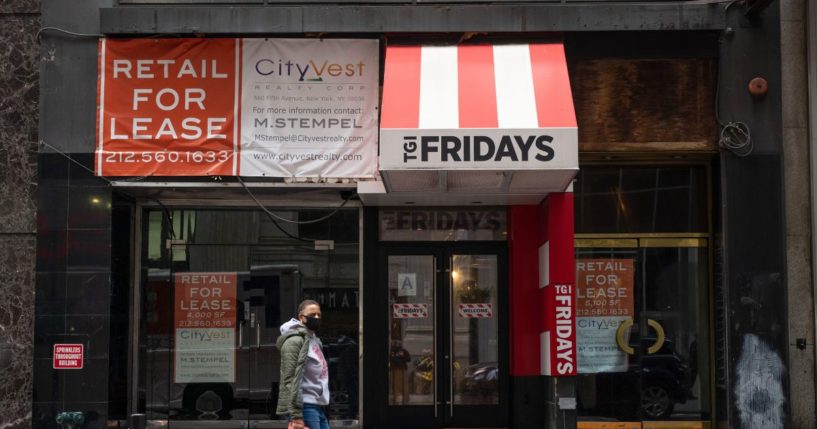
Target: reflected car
(255, 393)
(649, 390)
(480, 379)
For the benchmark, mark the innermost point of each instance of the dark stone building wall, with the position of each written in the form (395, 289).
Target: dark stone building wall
(74, 300)
(19, 92)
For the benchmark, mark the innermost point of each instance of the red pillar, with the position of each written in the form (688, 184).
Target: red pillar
(557, 277)
(524, 297)
(542, 295)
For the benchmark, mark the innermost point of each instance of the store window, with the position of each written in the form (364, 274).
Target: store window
(643, 300)
(639, 199)
(216, 287)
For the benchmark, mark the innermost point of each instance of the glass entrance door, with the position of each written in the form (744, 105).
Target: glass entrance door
(443, 313)
(643, 331)
(643, 311)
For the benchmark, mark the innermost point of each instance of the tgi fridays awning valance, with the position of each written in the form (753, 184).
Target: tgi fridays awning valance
(479, 108)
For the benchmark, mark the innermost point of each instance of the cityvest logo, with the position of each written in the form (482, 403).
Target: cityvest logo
(309, 71)
(205, 335)
(447, 148)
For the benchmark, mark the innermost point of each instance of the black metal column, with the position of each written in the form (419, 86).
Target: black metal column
(752, 364)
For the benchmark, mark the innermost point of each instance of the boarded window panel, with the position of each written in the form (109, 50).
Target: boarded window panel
(645, 105)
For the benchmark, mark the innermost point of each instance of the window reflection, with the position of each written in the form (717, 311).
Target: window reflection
(411, 330)
(475, 368)
(640, 199)
(277, 266)
(665, 374)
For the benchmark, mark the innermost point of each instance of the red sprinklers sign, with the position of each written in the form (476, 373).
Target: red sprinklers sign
(68, 356)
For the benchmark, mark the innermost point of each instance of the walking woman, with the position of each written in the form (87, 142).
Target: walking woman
(304, 387)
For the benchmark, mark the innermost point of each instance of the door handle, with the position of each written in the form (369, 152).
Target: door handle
(241, 321)
(258, 335)
(620, 340)
(240, 334)
(625, 326)
(254, 325)
(434, 379)
(450, 362)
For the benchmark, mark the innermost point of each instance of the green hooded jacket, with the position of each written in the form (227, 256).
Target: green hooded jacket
(294, 347)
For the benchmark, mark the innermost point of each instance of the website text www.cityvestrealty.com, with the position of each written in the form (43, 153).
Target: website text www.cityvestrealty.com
(306, 156)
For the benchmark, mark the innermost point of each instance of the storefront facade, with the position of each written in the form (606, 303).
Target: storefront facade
(495, 242)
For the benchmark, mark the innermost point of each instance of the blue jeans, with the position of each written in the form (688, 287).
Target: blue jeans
(314, 417)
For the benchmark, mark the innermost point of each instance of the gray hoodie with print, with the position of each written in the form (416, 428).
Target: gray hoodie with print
(304, 371)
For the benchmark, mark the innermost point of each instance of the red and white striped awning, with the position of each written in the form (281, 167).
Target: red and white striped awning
(497, 117)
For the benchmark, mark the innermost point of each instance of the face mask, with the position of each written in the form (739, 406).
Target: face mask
(312, 323)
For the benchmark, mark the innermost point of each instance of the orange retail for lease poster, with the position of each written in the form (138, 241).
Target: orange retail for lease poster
(604, 301)
(604, 287)
(167, 107)
(205, 300)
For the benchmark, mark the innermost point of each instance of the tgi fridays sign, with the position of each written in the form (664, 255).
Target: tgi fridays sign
(491, 150)
(478, 107)
(442, 224)
(205, 324)
(409, 311)
(560, 337)
(248, 107)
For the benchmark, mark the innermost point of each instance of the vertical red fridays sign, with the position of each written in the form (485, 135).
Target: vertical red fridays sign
(557, 277)
(167, 107)
(560, 337)
(205, 321)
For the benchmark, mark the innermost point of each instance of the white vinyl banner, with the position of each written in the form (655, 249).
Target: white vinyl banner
(206, 319)
(604, 301)
(204, 355)
(309, 108)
